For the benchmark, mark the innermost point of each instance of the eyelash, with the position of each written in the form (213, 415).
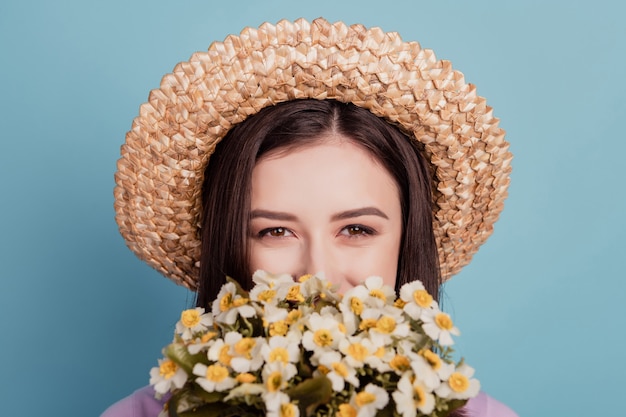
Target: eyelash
(364, 230)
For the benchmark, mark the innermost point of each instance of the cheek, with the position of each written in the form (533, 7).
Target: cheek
(273, 260)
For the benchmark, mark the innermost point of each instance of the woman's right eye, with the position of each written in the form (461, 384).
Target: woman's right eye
(275, 232)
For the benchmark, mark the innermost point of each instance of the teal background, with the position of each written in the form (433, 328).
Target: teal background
(542, 307)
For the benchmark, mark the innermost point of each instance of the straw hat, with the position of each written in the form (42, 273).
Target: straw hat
(160, 172)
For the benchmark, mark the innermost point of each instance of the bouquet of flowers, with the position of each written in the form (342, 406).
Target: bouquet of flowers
(298, 348)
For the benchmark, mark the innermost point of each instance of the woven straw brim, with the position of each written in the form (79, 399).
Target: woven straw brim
(160, 172)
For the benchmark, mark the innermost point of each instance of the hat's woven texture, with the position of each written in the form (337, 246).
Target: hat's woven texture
(160, 172)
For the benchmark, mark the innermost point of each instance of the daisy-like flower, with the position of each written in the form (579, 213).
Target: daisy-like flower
(430, 368)
(229, 305)
(261, 277)
(384, 324)
(413, 395)
(276, 378)
(166, 376)
(313, 285)
(439, 326)
(214, 377)
(200, 343)
(221, 350)
(285, 409)
(322, 334)
(415, 298)
(281, 349)
(339, 371)
(459, 384)
(356, 350)
(369, 401)
(246, 354)
(193, 321)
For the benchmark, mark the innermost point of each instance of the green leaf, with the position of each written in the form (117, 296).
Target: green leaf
(311, 393)
(181, 356)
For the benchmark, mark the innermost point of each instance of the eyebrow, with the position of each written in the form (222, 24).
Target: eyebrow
(272, 215)
(348, 214)
(363, 211)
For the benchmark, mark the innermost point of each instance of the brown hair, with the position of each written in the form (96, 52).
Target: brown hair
(226, 188)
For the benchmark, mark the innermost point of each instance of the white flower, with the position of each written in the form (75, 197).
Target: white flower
(229, 304)
(261, 277)
(276, 377)
(369, 401)
(214, 377)
(416, 298)
(430, 368)
(246, 354)
(460, 384)
(221, 350)
(167, 374)
(202, 342)
(412, 395)
(285, 409)
(339, 372)
(322, 334)
(281, 349)
(193, 321)
(438, 326)
(356, 350)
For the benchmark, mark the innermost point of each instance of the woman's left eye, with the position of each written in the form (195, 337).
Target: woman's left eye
(356, 230)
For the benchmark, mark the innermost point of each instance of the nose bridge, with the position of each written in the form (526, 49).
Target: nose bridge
(318, 256)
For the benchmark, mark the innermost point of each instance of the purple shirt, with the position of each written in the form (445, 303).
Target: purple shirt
(142, 403)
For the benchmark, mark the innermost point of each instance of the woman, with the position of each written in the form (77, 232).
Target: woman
(330, 138)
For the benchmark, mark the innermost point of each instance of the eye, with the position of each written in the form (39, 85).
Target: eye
(275, 232)
(356, 230)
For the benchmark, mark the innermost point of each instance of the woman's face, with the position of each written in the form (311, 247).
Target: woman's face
(328, 208)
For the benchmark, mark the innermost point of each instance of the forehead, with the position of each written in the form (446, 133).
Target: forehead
(329, 168)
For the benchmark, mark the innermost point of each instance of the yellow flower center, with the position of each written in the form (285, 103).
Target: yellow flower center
(279, 354)
(358, 351)
(324, 370)
(432, 358)
(245, 378)
(224, 358)
(380, 352)
(367, 324)
(207, 336)
(386, 324)
(378, 294)
(278, 328)
(226, 302)
(458, 382)
(294, 294)
(293, 316)
(190, 318)
(399, 303)
(364, 398)
(400, 363)
(304, 278)
(323, 338)
(444, 321)
(239, 302)
(216, 373)
(274, 381)
(287, 410)
(419, 396)
(167, 369)
(244, 347)
(422, 298)
(342, 328)
(267, 295)
(340, 369)
(356, 305)
(346, 410)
